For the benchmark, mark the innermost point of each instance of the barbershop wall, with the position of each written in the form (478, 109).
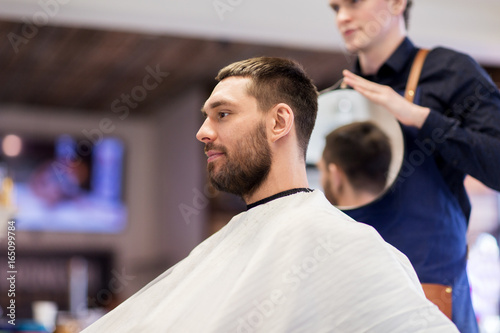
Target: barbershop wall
(163, 171)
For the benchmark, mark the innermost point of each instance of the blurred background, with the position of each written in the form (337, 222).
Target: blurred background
(99, 106)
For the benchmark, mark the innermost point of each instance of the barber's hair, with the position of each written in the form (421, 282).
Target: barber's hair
(279, 80)
(406, 13)
(363, 152)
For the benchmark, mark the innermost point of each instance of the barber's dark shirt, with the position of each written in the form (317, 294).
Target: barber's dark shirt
(425, 214)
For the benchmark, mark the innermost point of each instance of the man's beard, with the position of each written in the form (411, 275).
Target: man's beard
(246, 168)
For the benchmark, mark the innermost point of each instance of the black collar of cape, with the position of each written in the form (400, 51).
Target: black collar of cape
(278, 195)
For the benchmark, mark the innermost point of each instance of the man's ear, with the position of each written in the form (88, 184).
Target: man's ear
(337, 178)
(397, 7)
(281, 120)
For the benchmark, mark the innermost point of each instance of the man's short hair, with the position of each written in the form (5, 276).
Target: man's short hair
(363, 151)
(406, 13)
(279, 80)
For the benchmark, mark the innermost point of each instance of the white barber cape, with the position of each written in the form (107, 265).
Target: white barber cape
(294, 264)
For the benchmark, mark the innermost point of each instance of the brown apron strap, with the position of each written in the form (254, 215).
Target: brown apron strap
(416, 68)
(440, 295)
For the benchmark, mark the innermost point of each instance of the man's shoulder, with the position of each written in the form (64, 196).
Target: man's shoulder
(314, 216)
(447, 58)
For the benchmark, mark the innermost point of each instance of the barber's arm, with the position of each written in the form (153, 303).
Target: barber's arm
(467, 134)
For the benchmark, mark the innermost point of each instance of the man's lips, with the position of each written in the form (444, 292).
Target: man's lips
(348, 32)
(213, 154)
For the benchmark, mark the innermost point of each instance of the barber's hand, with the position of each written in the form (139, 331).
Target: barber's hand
(407, 113)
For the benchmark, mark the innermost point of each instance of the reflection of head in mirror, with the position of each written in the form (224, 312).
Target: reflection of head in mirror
(355, 164)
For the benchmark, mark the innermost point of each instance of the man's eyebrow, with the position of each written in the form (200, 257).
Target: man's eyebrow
(214, 105)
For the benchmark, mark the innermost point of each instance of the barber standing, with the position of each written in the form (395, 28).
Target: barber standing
(452, 129)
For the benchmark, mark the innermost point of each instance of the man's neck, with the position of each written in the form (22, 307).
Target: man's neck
(280, 179)
(347, 196)
(371, 59)
(355, 199)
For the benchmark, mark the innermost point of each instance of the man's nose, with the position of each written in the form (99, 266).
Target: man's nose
(206, 133)
(343, 15)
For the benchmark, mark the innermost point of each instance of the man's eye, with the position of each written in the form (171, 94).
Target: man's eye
(223, 114)
(336, 7)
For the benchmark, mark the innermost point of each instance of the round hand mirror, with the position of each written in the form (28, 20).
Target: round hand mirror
(340, 107)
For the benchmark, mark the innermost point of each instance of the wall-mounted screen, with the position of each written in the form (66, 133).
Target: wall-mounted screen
(64, 183)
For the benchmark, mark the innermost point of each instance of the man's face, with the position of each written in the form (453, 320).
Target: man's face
(326, 182)
(363, 23)
(234, 133)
